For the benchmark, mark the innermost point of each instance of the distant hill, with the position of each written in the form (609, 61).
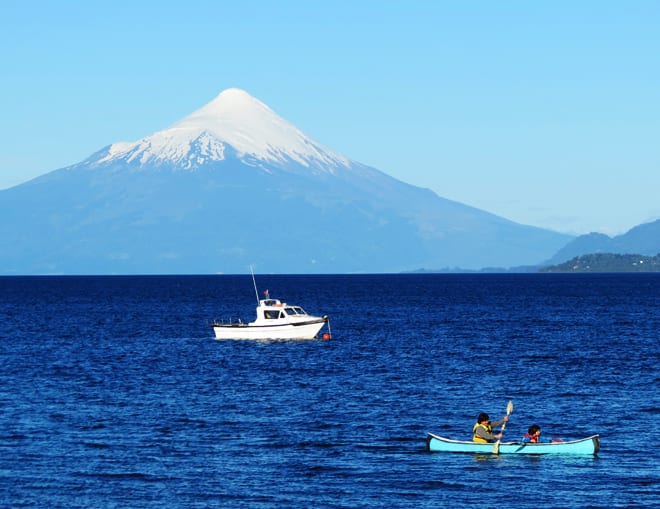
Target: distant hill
(232, 185)
(608, 262)
(643, 239)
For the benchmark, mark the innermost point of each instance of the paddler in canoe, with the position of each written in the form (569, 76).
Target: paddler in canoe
(482, 431)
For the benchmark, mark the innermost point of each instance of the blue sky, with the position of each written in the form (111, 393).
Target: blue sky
(546, 113)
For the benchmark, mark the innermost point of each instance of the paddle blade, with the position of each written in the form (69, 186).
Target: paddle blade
(509, 408)
(496, 447)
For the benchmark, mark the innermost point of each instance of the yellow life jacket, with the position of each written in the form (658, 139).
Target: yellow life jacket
(478, 439)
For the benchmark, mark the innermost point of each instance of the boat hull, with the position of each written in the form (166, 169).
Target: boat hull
(589, 445)
(301, 330)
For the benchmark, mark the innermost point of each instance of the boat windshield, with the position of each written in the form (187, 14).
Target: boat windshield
(295, 310)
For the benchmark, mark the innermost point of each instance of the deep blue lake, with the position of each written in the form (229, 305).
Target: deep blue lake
(114, 393)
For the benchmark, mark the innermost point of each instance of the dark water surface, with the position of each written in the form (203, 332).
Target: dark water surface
(113, 392)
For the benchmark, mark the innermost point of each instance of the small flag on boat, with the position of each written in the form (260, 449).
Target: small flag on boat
(266, 293)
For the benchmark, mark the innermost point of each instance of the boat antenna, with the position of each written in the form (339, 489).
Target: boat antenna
(254, 282)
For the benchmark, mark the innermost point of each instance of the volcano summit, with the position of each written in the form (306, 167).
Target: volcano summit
(233, 119)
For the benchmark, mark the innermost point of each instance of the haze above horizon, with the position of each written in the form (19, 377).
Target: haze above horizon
(545, 114)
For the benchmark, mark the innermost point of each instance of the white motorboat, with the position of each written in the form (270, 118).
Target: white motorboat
(275, 320)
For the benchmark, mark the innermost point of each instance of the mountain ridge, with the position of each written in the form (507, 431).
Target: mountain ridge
(643, 239)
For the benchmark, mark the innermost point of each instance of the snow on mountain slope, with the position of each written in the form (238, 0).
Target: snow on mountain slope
(236, 119)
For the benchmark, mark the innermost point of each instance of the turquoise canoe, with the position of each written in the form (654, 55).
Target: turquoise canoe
(589, 445)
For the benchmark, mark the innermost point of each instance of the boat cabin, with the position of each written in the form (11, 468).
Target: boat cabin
(273, 309)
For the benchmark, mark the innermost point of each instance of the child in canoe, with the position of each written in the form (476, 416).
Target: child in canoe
(533, 436)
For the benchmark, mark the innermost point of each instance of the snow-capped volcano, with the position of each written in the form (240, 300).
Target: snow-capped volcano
(233, 119)
(233, 184)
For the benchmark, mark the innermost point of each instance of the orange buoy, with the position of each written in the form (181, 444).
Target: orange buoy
(326, 336)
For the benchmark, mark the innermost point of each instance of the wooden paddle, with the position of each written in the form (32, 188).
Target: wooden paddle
(509, 411)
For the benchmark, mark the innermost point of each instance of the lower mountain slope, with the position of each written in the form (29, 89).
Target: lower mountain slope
(115, 218)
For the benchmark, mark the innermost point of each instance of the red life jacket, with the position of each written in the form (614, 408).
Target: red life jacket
(532, 439)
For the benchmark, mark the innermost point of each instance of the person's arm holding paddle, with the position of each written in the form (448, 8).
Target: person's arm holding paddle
(499, 423)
